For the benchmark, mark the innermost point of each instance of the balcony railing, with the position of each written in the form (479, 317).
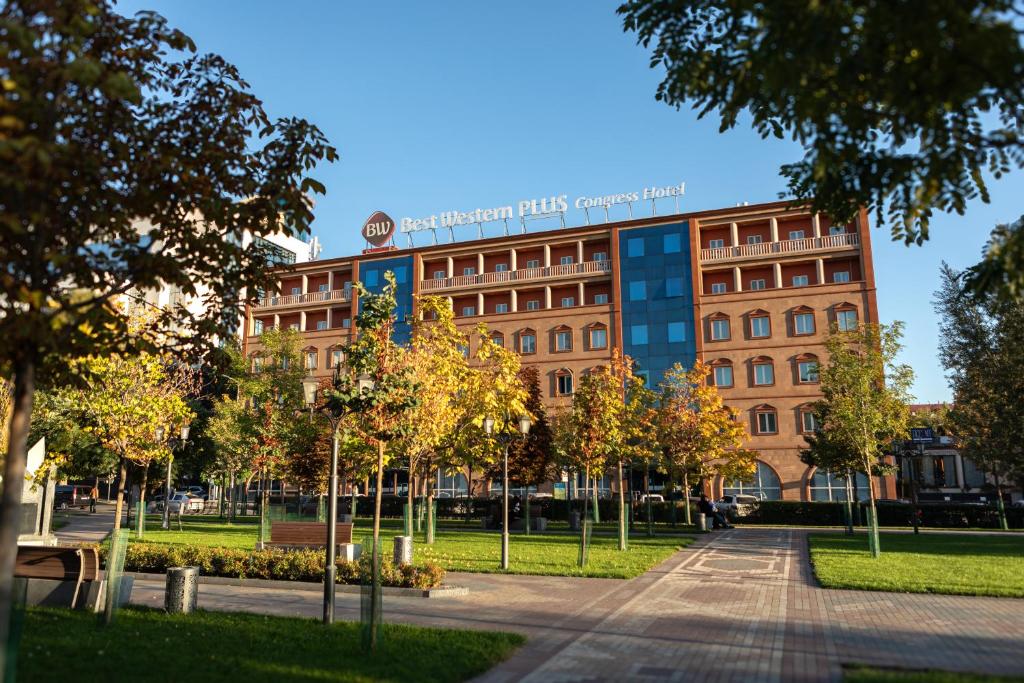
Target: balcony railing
(338, 295)
(519, 275)
(845, 239)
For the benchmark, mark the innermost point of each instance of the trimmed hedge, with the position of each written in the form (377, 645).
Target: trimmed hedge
(285, 565)
(949, 515)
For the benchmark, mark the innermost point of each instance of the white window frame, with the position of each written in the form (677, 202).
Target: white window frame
(801, 280)
(501, 308)
(601, 298)
(533, 263)
(568, 302)
(533, 305)
(500, 267)
(715, 325)
(766, 414)
(754, 320)
(841, 276)
(759, 369)
(565, 261)
(716, 244)
(471, 309)
(758, 284)
(719, 288)
(797, 234)
(563, 340)
(754, 239)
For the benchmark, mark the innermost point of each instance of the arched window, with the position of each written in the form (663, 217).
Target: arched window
(597, 336)
(803, 321)
(526, 341)
(335, 357)
(766, 419)
(846, 316)
(721, 373)
(760, 324)
(718, 327)
(563, 382)
(310, 359)
(807, 369)
(257, 363)
(764, 485)
(825, 486)
(498, 338)
(808, 420)
(762, 371)
(562, 338)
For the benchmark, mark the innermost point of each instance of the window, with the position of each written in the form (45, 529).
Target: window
(808, 421)
(564, 382)
(500, 267)
(796, 234)
(673, 286)
(828, 487)
(800, 280)
(716, 244)
(723, 375)
(321, 325)
(563, 340)
(600, 298)
(294, 326)
(635, 246)
(673, 243)
(296, 290)
(568, 301)
(440, 274)
(401, 274)
(468, 310)
(600, 256)
(807, 370)
(464, 350)
(346, 323)
(753, 239)
(372, 278)
(720, 329)
(533, 305)
(533, 263)
(644, 376)
(757, 284)
(760, 326)
(764, 372)
(470, 270)
(257, 326)
(498, 338)
(637, 290)
(841, 276)
(837, 229)
(337, 357)
(764, 485)
(846, 320)
(676, 332)
(719, 288)
(311, 361)
(598, 338)
(803, 323)
(257, 364)
(527, 342)
(565, 261)
(638, 334)
(451, 485)
(767, 422)
(322, 288)
(501, 308)
(285, 362)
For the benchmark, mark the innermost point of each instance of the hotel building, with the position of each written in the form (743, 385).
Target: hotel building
(751, 290)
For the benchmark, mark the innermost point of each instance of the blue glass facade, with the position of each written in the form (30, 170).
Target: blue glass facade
(371, 274)
(657, 298)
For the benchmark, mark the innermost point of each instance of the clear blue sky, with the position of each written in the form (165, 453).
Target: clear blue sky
(458, 105)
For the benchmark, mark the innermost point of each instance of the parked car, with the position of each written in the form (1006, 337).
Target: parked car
(68, 496)
(737, 505)
(185, 503)
(197, 491)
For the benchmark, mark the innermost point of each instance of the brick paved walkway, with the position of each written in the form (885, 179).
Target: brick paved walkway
(737, 606)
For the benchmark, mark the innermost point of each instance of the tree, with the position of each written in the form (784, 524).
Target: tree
(866, 396)
(890, 113)
(639, 436)
(531, 461)
(825, 451)
(127, 163)
(376, 391)
(699, 434)
(71, 442)
(981, 346)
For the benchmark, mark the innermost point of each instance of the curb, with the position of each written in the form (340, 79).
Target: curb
(309, 586)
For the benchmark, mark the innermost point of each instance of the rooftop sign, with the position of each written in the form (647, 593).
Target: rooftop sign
(532, 209)
(378, 229)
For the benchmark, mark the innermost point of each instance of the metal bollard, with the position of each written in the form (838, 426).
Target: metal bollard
(574, 521)
(403, 550)
(181, 595)
(702, 522)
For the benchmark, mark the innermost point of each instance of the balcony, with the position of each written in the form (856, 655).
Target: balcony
(519, 275)
(843, 240)
(334, 295)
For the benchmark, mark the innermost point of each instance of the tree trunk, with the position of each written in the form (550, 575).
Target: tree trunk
(430, 509)
(686, 497)
(375, 587)
(872, 510)
(1000, 505)
(469, 496)
(122, 475)
(583, 517)
(410, 497)
(597, 509)
(647, 492)
(671, 486)
(141, 521)
(622, 510)
(355, 492)
(10, 504)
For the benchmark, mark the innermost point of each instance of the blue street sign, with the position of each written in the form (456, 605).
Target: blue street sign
(921, 435)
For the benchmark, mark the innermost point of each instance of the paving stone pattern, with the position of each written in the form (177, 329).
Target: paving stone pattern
(736, 606)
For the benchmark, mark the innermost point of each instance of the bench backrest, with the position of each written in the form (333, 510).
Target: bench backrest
(59, 563)
(307, 533)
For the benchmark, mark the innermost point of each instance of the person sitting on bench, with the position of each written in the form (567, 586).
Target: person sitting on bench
(712, 512)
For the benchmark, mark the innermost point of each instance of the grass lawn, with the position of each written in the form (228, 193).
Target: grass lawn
(143, 644)
(928, 563)
(458, 550)
(868, 675)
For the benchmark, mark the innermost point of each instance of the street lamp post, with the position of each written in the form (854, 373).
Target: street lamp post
(166, 522)
(504, 437)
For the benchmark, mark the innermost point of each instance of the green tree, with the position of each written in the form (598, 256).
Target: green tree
(826, 451)
(889, 111)
(981, 346)
(376, 391)
(699, 434)
(164, 163)
(866, 396)
(71, 442)
(531, 460)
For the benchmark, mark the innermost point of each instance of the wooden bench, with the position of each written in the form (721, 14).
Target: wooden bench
(59, 572)
(306, 534)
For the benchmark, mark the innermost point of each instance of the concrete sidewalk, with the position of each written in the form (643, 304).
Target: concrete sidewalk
(87, 527)
(736, 606)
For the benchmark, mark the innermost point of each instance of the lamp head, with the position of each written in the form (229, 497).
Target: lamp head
(524, 424)
(184, 433)
(488, 425)
(159, 433)
(309, 387)
(364, 383)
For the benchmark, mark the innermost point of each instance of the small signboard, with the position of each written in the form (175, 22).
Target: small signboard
(559, 492)
(921, 434)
